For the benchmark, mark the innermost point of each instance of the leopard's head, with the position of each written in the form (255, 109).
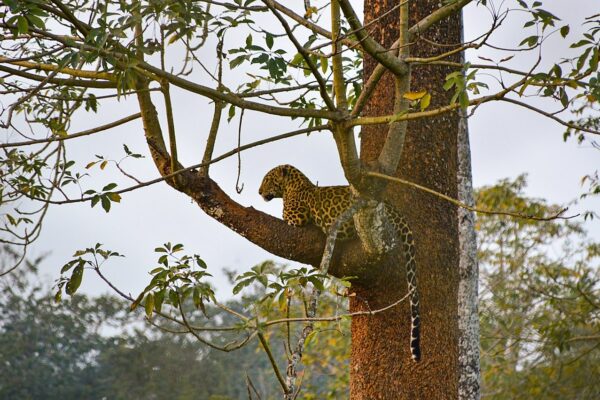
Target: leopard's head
(273, 183)
(281, 179)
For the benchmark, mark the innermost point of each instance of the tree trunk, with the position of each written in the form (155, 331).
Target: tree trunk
(381, 367)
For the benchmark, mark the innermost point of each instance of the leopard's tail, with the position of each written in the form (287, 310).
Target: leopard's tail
(408, 247)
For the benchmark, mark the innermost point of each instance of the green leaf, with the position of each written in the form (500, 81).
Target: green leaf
(237, 61)
(269, 40)
(297, 60)
(177, 247)
(22, 25)
(324, 64)
(36, 21)
(105, 203)
(564, 31)
(200, 262)
(149, 305)
(580, 43)
(318, 283)
(564, 98)
(109, 187)
(242, 284)
(594, 60)
(159, 297)
(58, 295)
(263, 280)
(531, 41)
(136, 302)
(68, 266)
(75, 280)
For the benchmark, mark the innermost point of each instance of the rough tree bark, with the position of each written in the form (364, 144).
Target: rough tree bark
(381, 367)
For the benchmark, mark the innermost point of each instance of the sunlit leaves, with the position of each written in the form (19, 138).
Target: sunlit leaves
(421, 98)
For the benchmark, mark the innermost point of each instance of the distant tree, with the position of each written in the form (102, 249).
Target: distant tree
(540, 301)
(88, 348)
(48, 351)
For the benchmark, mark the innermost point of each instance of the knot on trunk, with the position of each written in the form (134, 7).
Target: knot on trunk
(374, 229)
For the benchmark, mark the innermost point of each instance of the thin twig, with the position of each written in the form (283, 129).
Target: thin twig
(265, 345)
(305, 56)
(239, 188)
(557, 215)
(192, 167)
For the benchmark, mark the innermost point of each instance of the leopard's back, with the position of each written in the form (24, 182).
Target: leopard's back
(327, 203)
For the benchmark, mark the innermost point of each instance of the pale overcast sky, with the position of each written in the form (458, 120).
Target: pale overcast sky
(506, 141)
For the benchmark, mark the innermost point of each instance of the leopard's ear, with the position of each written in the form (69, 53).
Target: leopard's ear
(284, 171)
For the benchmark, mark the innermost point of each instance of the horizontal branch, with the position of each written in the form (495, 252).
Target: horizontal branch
(87, 83)
(195, 166)
(458, 203)
(78, 73)
(74, 135)
(551, 116)
(337, 317)
(384, 119)
(236, 100)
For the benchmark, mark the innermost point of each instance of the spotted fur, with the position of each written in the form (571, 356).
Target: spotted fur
(305, 203)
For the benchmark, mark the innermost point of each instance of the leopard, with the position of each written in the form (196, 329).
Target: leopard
(305, 203)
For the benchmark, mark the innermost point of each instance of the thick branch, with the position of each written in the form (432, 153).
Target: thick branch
(339, 85)
(394, 143)
(304, 245)
(370, 46)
